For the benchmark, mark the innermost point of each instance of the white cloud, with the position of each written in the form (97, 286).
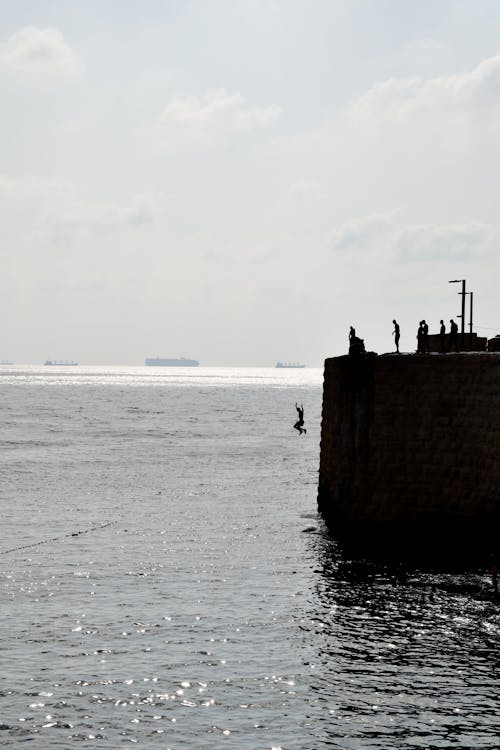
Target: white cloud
(426, 47)
(134, 214)
(303, 189)
(429, 242)
(137, 212)
(218, 110)
(25, 186)
(400, 97)
(52, 208)
(383, 236)
(360, 232)
(35, 54)
(427, 55)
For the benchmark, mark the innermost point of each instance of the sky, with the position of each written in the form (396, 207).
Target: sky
(239, 181)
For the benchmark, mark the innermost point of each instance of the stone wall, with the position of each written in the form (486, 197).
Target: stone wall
(410, 449)
(472, 343)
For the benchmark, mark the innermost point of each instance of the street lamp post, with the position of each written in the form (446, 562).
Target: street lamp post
(470, 316)
(463, 293)
(471, 295)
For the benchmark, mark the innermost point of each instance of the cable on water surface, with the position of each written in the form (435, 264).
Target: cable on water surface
(58, 538)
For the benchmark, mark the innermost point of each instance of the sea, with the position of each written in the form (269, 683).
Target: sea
(166, 581)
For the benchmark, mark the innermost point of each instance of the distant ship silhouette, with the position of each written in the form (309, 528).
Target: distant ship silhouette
(295, 365)
(61, 362)
(168, 362)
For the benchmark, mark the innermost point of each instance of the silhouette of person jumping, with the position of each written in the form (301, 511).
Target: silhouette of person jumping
(299, 423)
(396, 335)
(442, 337)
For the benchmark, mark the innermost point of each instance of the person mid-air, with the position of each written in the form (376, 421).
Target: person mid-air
(300, 422)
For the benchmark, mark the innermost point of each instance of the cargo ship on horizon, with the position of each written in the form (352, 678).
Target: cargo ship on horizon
(292, 365)
(61, 362)
(169, 362)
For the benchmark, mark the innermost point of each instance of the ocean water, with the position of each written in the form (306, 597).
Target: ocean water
(166, 582)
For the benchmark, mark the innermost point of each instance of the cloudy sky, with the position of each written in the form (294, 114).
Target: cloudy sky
(241, 180)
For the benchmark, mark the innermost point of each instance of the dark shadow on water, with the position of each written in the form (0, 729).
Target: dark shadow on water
(346, 562)
(396, 651)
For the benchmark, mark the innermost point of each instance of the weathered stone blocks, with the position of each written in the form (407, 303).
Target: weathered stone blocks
(410, 450)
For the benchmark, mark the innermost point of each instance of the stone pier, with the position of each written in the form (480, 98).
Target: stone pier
(410, 452)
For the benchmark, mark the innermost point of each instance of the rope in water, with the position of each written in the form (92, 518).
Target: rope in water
(57, 538)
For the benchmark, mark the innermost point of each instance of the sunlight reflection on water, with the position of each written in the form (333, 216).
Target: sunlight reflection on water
(165, 581)
(162, 376)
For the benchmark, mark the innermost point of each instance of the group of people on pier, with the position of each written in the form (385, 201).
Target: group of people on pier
(357, 346)
(423, 337)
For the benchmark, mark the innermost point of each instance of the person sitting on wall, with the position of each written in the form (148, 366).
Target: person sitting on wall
(442, 337)
(453, 335)
(356, 345)
(396, 335)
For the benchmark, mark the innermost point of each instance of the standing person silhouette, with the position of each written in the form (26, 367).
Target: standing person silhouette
(442, 335)
(420, 338)
(425, 337)
(453, 335)
(299, 423)
(396, 335)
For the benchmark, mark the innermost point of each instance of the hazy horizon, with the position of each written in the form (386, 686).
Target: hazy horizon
(239, 181)
(227, 365)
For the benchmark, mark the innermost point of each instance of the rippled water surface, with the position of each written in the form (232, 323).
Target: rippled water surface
(165, 581)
